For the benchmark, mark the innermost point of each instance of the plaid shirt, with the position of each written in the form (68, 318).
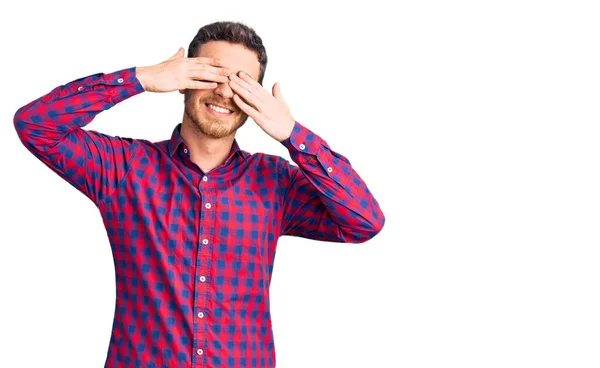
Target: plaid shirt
(193, 251)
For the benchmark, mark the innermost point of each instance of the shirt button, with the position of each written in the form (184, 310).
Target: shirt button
(202, 278)
(208, 205)
(185, 150)
(329, 169)
(205, 241)
(120, 80)
(302, 146)
(199, 351)
(205, 178)
(80, 88)
(200, 315)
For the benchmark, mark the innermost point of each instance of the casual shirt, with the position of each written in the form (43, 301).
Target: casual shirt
(193, 251)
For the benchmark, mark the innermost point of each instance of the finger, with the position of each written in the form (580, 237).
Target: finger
(260, 93)
(207, 60)
(178, 54)
(208, 76)
(251, 82)
(247, 95)
(194, 84)
(210, 73)
(220, 70)
(249, 110)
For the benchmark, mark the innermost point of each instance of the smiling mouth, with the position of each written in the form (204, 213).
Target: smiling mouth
(216, 110)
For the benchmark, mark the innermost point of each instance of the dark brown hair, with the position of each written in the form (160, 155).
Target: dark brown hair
(234, 32)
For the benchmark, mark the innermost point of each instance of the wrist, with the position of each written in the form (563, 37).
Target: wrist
(143, 75)
(289, 131)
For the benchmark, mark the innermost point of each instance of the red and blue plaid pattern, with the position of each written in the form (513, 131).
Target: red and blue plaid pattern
(193, 251)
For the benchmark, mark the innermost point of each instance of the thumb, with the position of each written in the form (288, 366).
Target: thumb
(178, 54)
(279, 97)
(277, 93)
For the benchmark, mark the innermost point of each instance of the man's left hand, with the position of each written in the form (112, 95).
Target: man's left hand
(270, 112)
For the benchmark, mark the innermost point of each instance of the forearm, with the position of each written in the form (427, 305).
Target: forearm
(73, 105)
(328, 191)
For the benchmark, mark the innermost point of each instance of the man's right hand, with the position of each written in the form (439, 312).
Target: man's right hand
(181, 73)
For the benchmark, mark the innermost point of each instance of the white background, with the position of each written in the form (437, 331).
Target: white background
(474, 123)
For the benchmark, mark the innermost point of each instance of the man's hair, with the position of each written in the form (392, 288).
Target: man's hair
(233, 32)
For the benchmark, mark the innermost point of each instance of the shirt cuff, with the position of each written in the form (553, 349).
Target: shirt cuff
(309, 150)
(125, 78)
(303, 140)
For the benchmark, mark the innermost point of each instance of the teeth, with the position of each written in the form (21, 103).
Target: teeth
(219, 109)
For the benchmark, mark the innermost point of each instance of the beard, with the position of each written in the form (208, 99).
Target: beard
(210, 126)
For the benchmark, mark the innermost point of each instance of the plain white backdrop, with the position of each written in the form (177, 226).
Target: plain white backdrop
(476, 125)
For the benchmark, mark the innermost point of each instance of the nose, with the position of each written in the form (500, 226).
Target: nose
(224, 90)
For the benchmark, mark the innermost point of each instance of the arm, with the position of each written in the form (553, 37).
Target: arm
(50, 127)
(323, 197)
(94, 163)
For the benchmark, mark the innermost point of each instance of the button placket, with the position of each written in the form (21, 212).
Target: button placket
(205, 231)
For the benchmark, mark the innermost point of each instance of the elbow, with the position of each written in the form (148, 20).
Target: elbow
(29, 127)
(378, 222)
(19, 121)
(377, 227)
(19, 125)
(370, 232)
(24, 116)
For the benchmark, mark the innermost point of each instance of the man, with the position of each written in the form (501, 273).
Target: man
(193, 221)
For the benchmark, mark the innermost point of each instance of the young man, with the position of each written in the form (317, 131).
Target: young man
(193, 221)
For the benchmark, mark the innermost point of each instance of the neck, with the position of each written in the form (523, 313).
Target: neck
(206, 152)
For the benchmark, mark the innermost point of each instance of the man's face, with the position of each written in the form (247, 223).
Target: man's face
(212, 123)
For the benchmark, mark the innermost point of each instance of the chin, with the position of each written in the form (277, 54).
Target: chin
(216, 129)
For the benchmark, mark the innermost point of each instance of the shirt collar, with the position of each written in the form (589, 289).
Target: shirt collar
(177, 139)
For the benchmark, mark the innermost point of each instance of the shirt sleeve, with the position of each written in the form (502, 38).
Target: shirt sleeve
(323, 197)
(50, 127)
